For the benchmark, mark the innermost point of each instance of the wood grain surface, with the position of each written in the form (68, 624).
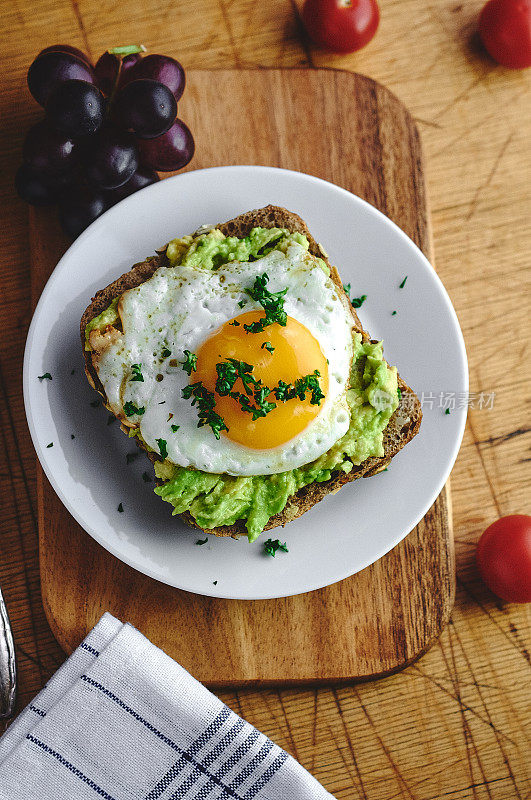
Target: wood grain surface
(454, 725)
(373, 623)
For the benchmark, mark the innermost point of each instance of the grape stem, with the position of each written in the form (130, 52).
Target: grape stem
(127, 50)
(122, 52)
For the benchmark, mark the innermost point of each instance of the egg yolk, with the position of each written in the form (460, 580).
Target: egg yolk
(292, 352)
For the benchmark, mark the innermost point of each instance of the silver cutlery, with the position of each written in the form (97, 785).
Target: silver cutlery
(8, 668)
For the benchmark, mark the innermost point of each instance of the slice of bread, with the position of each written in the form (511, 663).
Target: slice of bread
(403, 425)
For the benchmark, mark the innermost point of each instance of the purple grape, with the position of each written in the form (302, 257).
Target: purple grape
(147, 107)
(141, 178)
(38, 189)
(48, 151)
(173, 150)
(79, 208)
(107, 69)
(51, 69)
(67, 48)
(111, 160)
(106, 72)
(128, 62)
(164, 69)
(76, 108)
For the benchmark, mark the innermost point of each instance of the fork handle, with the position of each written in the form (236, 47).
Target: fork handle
(8, 668)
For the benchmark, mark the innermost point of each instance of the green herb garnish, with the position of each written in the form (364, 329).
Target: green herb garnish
(205, 402)
(357, 302)
(399, 393)
(175, 428)
(131, 409)
(136, 369)
(346, 289)
(393, 313)
(271, 302)
(215, 583)
(165, 352)
(120, 508)
(268, 346)
(272, 545)
(190, 365)
(401, 285)
(45, 377)
(72, 436)
(241, 303)
(234, 323)
(447, 411)
(49, 445)
(202, 541)
(163, 449)
(310, 383)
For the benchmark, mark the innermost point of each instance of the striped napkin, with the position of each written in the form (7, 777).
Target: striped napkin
(121, 720)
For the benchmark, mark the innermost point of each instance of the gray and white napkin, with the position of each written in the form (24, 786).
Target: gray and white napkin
(121, 720)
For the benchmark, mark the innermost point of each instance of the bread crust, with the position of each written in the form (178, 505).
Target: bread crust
(402, 427)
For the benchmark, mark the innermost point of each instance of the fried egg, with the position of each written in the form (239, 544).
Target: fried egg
(204, 312)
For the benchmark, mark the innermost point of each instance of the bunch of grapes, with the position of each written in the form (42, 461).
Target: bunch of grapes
(108, 130)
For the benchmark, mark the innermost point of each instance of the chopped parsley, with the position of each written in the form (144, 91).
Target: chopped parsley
(146, 478)
(272, 545)
(271, 302)
(121, 508)
(165, 352)
(175, 428)
(447, 411)
(202, 541)
(401, 285)
(205, 402)
(130, 457)
(136, 369)
(215, 583)
(190, 365)
(241, 303)
(310, 383)
(268, 346)
(163, 449)
(72, 436)
(399, 392)
(131, 409)
(393, 313)
(234, 323)
(94, 403)
(45, 377)
(346, 289)
(357, 302)
(49, 445)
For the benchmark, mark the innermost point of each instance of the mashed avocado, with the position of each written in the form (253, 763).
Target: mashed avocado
(214, 500)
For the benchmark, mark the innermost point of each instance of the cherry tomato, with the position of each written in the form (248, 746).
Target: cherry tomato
(505, 30)
(504, 558)
(341, 25)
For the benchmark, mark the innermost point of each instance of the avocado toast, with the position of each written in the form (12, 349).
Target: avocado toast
(261, 501)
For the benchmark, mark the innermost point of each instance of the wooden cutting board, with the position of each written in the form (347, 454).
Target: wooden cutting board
(351, 131)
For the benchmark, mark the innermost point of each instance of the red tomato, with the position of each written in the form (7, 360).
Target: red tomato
(341, 25)
(505, 30)
(504, 558)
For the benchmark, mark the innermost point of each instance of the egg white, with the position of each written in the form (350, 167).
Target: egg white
(178, 308)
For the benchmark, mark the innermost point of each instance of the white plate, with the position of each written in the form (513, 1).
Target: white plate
(341, 535)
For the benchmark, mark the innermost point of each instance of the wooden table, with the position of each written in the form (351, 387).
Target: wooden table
(452, 725)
